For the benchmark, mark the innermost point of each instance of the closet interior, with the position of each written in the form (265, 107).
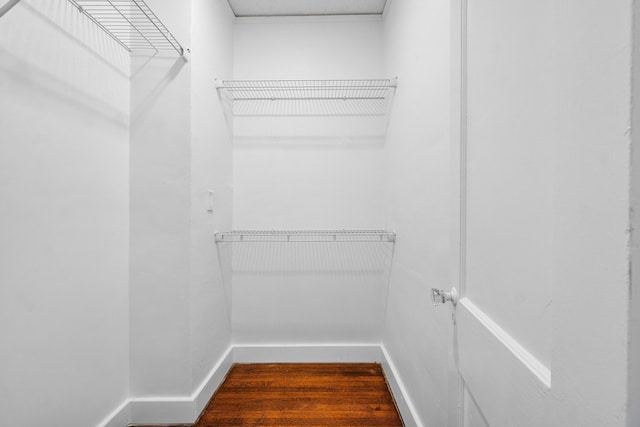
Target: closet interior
(187, 185)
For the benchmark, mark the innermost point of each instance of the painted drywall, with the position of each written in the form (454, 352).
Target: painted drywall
(290, 174)
(307, 179)
(180, 195)
(418, 336)
(64, 222)
(634, 305)
(211, 170)
(301, 293)
(160, 216)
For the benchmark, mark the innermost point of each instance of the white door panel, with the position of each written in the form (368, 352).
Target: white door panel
(503, 319)
(509, 168)
(510, 385)
(540, 169)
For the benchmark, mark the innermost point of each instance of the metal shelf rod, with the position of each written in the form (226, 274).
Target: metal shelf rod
(341, 98)
(305, 236)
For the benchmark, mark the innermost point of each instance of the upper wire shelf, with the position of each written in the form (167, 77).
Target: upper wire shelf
(254, 90)
(308, 97)
(131, 23)
(306, 236)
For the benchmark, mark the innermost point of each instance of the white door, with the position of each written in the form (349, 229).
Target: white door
(516, 239)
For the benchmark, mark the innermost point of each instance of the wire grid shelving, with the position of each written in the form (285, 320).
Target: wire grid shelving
(286, 236)
(308, 97)
(131, 23)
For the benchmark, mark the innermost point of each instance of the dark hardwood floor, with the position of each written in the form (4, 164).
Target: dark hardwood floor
(302, 395)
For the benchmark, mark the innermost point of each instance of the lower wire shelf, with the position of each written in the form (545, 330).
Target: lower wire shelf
(306, 236)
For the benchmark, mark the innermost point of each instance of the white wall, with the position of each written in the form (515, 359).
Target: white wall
(64, 222)
(308, 178)
(70, 157)
(160, 221)
(180, 149)
(160, 216)
(417, 336)
(307, 181)
(634, 306)
(211, 169)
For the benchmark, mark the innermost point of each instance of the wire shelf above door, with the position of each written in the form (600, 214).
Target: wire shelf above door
(285, 236)
(131, 23)
(308, 97)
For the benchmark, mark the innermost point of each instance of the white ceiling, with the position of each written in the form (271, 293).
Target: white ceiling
(245, 8)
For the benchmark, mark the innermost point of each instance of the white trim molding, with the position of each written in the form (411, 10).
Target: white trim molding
(403, 401)
(307, 353)
(172, 410)
(162, 410)
(209, 386)
(119, 417)
(527, 359)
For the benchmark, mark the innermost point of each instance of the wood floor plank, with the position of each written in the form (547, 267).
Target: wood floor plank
(302, 395)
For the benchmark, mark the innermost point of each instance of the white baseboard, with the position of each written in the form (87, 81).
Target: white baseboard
(186, 410)
(403, 402)
(162, 410)
(203, 394)
(177, 410)
(119, 417)
(307, 353)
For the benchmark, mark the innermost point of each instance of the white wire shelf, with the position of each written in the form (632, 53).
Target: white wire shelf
(308, 97)
(306, 236)
(131, 23)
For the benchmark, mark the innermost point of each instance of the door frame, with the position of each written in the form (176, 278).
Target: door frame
(458, 146)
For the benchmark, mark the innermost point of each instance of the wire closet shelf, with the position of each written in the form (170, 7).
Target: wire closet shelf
(286, 236)
(131, 23)
(308, 97)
